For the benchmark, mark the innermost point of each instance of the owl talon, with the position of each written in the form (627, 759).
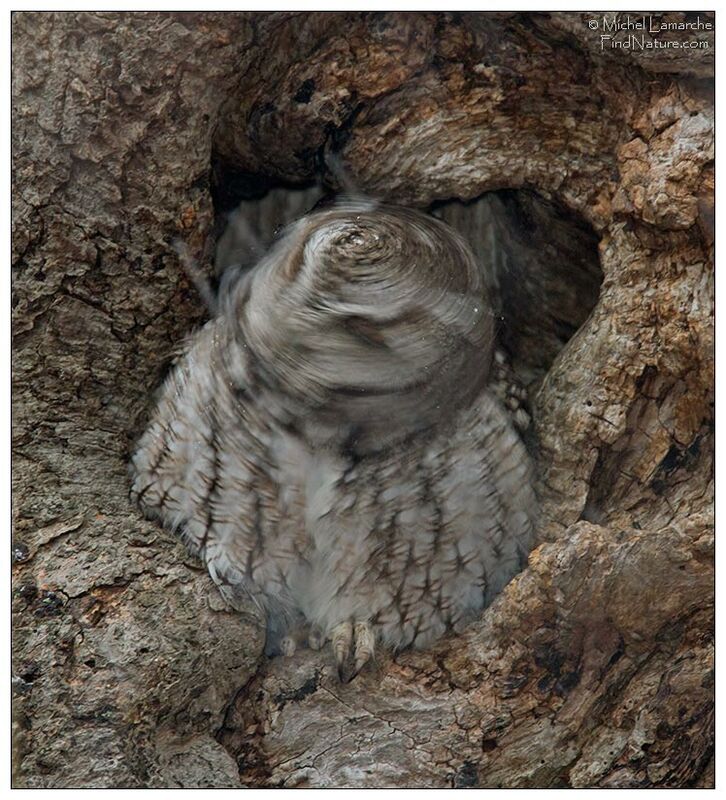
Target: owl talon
(353, 647)
(288, 646)
(346, 673)
(316, 638)
(342, 638)
(364, 645)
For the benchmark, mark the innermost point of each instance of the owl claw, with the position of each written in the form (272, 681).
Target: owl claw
(353, 647)
(364, 645)
(288, 646)
(342, 638)
(316, 638)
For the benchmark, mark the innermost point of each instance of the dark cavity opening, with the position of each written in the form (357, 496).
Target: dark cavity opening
(542, 266)
(250, 210)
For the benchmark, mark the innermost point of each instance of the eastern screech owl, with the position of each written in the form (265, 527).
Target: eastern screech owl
(329, 446)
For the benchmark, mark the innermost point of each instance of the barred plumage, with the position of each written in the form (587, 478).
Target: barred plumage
(328, 444)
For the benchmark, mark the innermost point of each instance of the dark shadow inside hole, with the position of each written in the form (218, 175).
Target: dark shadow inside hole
(539, 259)
(542, 266)
(249, 212)
(231, 186)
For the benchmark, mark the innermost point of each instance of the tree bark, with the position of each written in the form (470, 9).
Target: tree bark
(595, 665)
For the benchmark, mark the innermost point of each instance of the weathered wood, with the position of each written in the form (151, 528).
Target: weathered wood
(595, 666)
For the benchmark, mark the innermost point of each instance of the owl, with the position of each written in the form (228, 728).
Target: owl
(329, 443)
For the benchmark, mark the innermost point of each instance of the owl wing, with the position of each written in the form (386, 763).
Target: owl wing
(202, 467)
(173, 468)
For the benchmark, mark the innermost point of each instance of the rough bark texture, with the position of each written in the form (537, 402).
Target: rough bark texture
(595, 666)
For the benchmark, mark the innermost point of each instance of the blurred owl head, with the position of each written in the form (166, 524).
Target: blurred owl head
(371, 320)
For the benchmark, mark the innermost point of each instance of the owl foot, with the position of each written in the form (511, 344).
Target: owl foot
(365, 642)
(288, 645)
(342, 637)
(353, 647)
(316, 638)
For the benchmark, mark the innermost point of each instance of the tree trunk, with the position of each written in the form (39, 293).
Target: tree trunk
(594, 170)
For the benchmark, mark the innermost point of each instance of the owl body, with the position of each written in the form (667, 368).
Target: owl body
(328, 444)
